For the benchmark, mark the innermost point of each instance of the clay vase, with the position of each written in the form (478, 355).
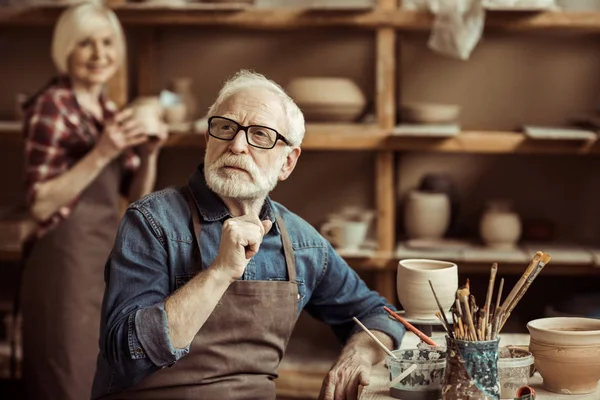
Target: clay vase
(443, 183)
(183, 88)
(414, 292)
(426, 215)
(567, 353)
(500, 227)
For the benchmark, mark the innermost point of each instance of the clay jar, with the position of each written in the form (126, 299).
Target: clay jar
(426, 215)
(567, 353)
(183, 87)
(414, 291)
(500, 226)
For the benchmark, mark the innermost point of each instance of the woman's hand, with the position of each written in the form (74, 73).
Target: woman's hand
(155, 142)
(119, 134)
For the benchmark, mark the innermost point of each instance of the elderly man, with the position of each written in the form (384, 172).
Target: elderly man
(205, 282)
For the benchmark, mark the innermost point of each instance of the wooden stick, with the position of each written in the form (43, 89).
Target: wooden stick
(465, 302)
(443, 318)
(411, 328)
(488, 298)
(368, 332)
(545, 259)
(460, 318)
(445, 325)
(513, 293)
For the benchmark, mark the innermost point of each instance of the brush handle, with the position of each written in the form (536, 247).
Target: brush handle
(411, 328)
(515, 290)
(472, 331)
(488, 299)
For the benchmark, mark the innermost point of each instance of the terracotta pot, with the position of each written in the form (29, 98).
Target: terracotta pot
(500, 227)
(327, 99)
(426, 215)
(567, 353)
(414, 292)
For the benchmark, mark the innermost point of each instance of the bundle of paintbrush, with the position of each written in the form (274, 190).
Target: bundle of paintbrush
(473, 323)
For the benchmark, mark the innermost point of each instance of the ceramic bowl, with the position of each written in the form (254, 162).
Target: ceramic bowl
(567, 353)
(414, 292)
(327, 99)
(429, 113)
(425, 382)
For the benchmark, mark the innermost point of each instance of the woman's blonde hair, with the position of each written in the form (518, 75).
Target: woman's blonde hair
(78, 23)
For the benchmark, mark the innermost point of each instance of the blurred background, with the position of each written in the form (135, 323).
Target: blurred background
(468, 139)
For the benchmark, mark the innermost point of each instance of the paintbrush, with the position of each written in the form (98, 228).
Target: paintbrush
(545, 259)
(464, 298)
(411, 328)
(488, 298)
(443, 318)
(513, 293)
(460, 318)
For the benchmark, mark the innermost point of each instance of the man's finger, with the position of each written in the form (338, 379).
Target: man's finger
(328, 388)
(267, 225)
(364, 378)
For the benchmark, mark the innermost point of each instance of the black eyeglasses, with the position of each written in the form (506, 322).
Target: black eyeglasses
(258, 136)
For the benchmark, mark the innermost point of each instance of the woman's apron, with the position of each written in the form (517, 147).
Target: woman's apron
(236, 353)
(63, 286)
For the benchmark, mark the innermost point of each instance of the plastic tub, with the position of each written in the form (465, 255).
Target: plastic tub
(515, 366)
(425, 382)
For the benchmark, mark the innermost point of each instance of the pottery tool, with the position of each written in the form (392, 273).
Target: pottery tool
(488, 299)
(515, 290)
(403, 375)
(368, 332)
(411, 328)
(444, 324)
(545, 259)
(467, 311)
(460, 318)
(443, 318)
(500, 288)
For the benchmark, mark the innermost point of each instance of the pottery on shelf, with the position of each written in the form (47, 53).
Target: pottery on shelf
(426, 215)
(429, 113)
(500, 226)
(414, 292)
(183, 88)
(567, 353)
(327, 99)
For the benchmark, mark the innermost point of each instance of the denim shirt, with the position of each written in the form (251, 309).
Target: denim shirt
(154, 255)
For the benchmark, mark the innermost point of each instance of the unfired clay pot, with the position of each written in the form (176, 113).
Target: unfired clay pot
(426, 215)
(327, 99)
(500, 226)
(567, 353)
(414, 292)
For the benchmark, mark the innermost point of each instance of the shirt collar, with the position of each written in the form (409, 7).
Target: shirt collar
(212, 208)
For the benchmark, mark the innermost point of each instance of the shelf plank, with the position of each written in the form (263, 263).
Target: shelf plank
(290, 18)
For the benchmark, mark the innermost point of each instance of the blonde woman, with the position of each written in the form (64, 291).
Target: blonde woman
(81, 155)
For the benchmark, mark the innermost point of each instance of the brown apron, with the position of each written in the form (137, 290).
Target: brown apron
(236, 353)
(63, 286)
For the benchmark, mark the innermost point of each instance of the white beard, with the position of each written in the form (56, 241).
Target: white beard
(238, 184)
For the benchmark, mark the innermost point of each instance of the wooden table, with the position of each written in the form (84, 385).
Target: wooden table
(379, 390)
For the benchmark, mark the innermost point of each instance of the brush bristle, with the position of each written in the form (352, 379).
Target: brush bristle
(546, 258)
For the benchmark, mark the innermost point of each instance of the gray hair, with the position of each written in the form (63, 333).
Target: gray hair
(245, 79)
(77, 23)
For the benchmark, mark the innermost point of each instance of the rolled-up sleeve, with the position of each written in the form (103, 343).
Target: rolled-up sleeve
(341, 294)
(134, 336)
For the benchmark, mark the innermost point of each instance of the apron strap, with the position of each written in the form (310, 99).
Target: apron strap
(288, 251)
(195, 217)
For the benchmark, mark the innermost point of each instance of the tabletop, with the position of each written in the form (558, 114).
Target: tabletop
(379, 390)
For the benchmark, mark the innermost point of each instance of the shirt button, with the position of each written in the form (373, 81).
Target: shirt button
(138, 350)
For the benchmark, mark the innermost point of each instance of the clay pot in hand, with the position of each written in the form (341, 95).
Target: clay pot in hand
(149, 112)
(567, 353)
(414, 292)
(426, 215)
(500, 227)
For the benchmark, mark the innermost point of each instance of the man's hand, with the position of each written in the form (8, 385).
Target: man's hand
(240, 240)
(353, 368)
(343, 380)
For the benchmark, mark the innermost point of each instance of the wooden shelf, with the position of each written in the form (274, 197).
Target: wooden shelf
(252, 18)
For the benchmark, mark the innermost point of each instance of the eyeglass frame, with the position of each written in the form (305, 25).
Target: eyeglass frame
(245, 129)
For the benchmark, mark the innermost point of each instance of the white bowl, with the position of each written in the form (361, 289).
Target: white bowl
(429, 113)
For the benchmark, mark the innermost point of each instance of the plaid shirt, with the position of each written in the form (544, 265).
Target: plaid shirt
(58, 134)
